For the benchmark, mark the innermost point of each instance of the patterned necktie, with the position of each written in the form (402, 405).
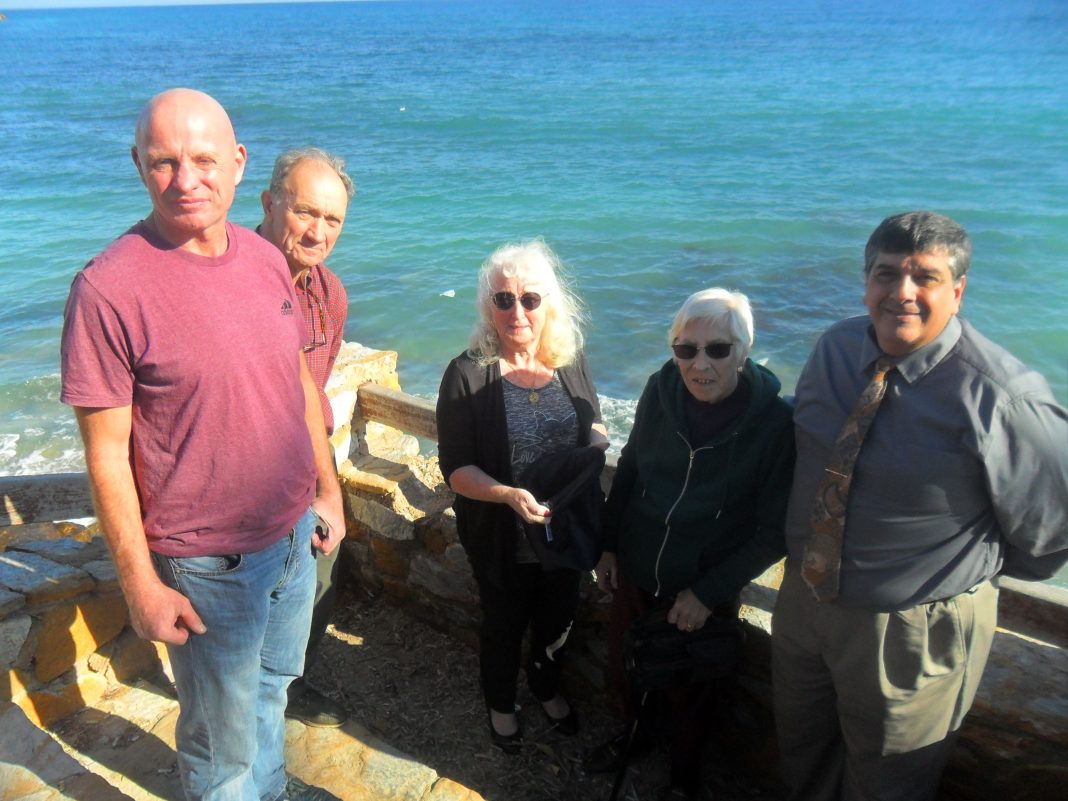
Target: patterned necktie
(822, 557)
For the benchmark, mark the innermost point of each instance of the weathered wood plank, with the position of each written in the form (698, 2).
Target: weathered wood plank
(42, 499)
(399, 410)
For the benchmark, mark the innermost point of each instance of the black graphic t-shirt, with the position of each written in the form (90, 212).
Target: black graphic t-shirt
(540, 421)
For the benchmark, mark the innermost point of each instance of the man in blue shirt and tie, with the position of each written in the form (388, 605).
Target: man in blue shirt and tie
(888, 606)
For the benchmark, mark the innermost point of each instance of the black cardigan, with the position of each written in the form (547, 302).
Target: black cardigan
(473, 430)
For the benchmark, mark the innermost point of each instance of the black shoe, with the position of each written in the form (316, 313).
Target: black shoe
(312, 708)
(509, 743)
(296, 790)
(567, 725)
(608, 756)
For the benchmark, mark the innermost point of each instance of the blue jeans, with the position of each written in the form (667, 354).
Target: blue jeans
(232, 680)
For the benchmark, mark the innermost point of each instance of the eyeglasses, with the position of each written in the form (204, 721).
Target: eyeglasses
(506, 300)
(714, 350)
(320, 340)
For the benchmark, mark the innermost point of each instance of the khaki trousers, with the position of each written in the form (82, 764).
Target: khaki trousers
(867, 703)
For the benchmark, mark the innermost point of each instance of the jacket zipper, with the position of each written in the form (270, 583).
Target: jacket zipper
(667, 518)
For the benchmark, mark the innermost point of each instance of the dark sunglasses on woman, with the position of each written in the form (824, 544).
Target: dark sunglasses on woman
(506, 300)
(714, 350)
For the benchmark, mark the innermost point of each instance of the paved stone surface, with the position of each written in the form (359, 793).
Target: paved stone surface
(34, 767)
(127, 739)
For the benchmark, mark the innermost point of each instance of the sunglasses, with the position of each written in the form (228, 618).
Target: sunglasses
(506, 300)
(714, 350)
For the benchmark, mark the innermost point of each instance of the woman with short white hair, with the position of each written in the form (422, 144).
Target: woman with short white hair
(696, 507)
(520, 392)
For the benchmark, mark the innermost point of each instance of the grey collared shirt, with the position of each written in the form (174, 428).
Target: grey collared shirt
(963, 474)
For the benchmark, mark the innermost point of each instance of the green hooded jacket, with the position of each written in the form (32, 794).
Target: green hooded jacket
(708, 518)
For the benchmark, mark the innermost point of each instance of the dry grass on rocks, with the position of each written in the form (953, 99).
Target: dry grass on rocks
(418, 690)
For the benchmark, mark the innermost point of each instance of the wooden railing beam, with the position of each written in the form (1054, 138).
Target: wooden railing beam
(398, 410)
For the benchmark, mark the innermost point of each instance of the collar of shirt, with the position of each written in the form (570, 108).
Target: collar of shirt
(915, 365)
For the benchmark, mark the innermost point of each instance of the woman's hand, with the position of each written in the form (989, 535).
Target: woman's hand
(688, 613)
(607, 571)
(472, 482)
(526, 505)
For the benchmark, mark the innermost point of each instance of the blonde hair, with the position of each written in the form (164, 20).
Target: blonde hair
(561, 336)
(714, 305)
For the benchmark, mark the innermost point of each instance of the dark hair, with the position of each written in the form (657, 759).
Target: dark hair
(921, 232)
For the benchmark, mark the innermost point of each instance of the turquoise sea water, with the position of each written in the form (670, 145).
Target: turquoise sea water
(660, 147)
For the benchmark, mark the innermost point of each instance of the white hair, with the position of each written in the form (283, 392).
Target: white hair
(716, 305)
(561, 336)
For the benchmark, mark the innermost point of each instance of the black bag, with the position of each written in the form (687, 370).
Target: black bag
(656, 655)
(569, 483)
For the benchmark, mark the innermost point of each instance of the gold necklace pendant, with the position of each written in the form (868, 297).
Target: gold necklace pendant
(533, 396)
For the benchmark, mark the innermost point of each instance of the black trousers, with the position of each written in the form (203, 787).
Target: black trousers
(544, 602)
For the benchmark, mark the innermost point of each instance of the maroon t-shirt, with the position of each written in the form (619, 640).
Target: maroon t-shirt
(206, 351)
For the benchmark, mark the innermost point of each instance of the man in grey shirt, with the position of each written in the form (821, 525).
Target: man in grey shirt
(962, 476)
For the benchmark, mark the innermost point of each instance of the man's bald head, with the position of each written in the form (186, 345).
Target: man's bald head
(185, 103)
(190, 162)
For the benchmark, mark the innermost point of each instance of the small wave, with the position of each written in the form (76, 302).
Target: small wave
(618, 416)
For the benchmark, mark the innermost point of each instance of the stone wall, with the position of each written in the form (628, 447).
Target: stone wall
(63, 632)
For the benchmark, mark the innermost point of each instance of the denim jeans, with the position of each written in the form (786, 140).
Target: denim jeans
(232, 680)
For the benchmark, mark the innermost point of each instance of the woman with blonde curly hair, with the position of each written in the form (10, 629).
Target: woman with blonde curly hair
(521, 391)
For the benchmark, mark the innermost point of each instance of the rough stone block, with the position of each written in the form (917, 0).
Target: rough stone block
(41, 580)
(372, 482)
(448, 790)
(341, 442)
(457, 561)
(66, 551)
(438, 579)
(342, 403)
(45, 706)
(70, 633)
(11, 602)
(396, 776)
(98, 662)
(13, 684)
(104, 574)
(432, 537)
(397, 590)
(34, 532)
(381, 520)
(447, 522)
(13, 633)
(388, 557)
(133, 658)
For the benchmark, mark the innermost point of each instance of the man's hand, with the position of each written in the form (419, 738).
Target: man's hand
(159, 613)
(330, 510)
(688, 613)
